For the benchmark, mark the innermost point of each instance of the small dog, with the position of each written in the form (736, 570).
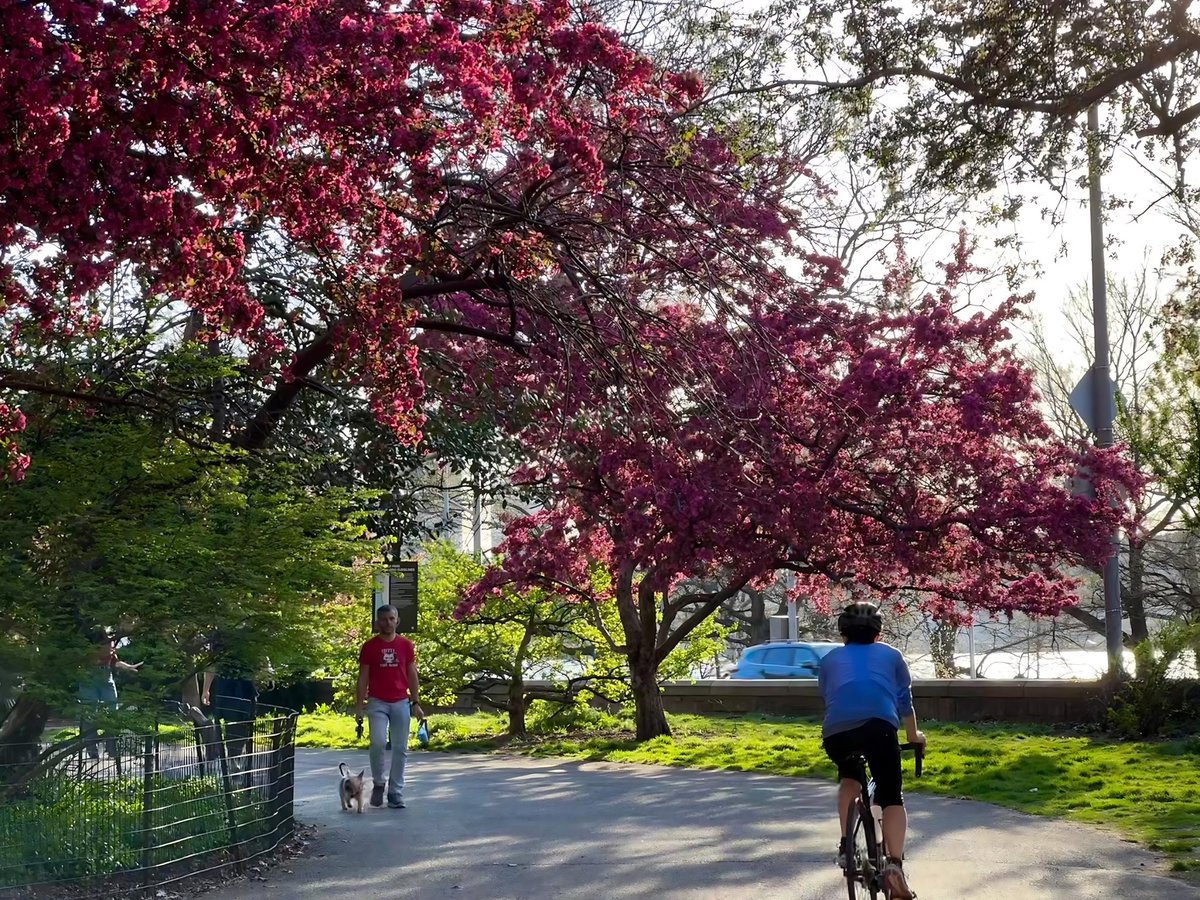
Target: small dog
(352, 788)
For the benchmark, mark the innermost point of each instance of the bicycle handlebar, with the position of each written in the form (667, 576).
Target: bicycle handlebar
(919, 749)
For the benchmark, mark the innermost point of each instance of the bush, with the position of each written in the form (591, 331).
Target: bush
(1153, 702)
(67, 829)
(562, 718)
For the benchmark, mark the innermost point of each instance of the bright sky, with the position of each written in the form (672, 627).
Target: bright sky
(1135, 239)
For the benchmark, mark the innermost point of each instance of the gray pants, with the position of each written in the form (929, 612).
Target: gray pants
(380, 715)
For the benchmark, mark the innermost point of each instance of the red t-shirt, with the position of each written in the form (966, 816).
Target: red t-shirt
(387, 663)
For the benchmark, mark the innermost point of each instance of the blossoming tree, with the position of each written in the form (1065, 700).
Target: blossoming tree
(325, 180)
(897, 451)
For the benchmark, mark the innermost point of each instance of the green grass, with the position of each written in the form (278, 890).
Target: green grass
(1145, 790)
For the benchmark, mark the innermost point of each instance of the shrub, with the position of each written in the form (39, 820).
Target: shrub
(1154, 702)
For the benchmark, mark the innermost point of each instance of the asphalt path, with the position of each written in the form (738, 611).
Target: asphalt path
(499, 827)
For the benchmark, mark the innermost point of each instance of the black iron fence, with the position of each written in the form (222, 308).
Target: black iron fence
(99, 814)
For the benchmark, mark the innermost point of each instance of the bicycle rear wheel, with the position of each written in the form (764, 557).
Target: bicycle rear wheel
(862, 879)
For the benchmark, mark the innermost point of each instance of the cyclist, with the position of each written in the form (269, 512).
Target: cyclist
(868, 693)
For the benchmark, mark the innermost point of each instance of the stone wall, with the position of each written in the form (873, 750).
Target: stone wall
(946, 700)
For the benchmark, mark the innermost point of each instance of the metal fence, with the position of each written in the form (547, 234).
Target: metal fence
(100, 815)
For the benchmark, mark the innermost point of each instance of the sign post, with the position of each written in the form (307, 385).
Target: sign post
(398, 586)
(1093, 397)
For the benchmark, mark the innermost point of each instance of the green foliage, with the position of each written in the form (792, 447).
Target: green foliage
(1154, 702)
(531, 635)
(67, 828)
(516, 636)
(118, 523)
(557, 718)
(340, 625)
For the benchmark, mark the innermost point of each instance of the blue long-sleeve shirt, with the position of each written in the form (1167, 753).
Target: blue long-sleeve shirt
(861, 682)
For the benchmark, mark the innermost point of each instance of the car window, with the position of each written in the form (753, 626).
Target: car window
(777, 656)
(807, 661)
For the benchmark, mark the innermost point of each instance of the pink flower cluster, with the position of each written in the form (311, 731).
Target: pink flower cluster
(12, 423)
(396, 150)
(903, 453)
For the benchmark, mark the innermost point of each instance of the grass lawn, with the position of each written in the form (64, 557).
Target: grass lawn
(1145, 790)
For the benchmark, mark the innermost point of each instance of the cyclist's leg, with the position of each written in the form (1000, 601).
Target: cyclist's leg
(883, 755)
(884, 758)
(840, 748)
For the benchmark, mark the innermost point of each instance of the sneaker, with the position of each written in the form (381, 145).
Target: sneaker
(395, 801)
(895, 882)
(377, 795)
(841, 855)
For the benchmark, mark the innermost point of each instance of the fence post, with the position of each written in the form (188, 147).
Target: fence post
(288, 773)
(227, 796)
(273, 774)
(149, 758)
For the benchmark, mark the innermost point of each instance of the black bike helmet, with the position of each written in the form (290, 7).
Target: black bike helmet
(860, 617)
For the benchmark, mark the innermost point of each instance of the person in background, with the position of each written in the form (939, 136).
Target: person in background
(100, 689)
(231, 690)
(389, 690)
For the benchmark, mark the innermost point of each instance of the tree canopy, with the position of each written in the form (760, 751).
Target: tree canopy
(995, 91)
(333, 183)
(895, 451)
(119, 525)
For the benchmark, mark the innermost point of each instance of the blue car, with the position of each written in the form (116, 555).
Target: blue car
(782, 659)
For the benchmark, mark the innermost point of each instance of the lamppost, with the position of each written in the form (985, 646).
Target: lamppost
(1094, 397)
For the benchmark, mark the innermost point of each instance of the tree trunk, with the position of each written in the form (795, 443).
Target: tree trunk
(647, 699)
(516, 681)
(1135, 599)
(941, 649)
(760, 626)
(516, 707)
(19, 736)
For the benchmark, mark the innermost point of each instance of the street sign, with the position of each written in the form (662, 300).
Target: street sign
(398, 586)
(1083, 400)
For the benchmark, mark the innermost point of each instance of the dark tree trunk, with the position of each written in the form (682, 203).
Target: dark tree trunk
(19, 736)
(760, 625)
(1135, 599)
(516, 707)
(647, 699)
(516, 683)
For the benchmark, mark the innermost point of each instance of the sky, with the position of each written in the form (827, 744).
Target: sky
(1062, 252)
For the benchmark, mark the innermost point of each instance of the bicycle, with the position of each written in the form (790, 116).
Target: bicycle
(866, 853)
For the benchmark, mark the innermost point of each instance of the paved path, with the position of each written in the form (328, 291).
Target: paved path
(492, 828)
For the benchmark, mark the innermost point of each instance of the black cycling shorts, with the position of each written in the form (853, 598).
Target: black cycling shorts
(876, 740)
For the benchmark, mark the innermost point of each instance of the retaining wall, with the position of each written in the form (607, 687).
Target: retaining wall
(947, 700)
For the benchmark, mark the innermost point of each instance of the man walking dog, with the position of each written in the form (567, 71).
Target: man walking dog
(388, 687)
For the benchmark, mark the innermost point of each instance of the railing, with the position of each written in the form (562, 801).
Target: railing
(120, 813)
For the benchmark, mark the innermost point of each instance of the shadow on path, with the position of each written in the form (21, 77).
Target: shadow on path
(512, 827)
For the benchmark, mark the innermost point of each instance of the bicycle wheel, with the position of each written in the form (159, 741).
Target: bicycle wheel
(862, 879)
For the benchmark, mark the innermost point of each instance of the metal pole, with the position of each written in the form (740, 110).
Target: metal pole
(971, 644)
(477, 525)
(1102, 385)
(789, 580)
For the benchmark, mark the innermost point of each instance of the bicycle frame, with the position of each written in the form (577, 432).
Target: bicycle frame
(867, 870)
